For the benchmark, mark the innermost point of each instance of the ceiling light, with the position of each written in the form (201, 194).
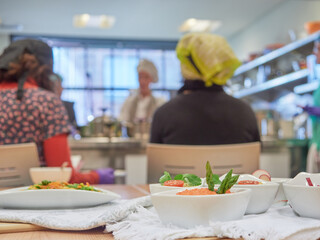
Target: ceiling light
(199, 25)
(94, 21)
(10, 27)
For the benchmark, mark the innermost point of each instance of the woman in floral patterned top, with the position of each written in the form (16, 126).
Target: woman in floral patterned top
(31, 112)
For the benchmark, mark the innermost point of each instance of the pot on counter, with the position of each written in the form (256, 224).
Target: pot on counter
(103, 126)
(140, 129)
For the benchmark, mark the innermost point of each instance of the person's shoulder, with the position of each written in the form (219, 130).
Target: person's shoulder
(44, 96)
(133, 94)
(239, 106)
(237, 101)
(171, 104)
(160, 101)
(39, 92)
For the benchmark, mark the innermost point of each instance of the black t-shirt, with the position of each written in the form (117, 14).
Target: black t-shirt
(204, 117)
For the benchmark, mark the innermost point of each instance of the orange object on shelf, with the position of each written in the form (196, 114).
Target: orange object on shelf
(274, 46)
(312, 27)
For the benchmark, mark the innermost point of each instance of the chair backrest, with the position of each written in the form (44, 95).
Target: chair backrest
(179, 159)
(15, 161)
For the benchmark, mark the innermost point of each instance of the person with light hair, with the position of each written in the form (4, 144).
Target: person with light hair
(140, 106)
(202, 113)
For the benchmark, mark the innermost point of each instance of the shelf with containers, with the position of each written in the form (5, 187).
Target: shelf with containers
(291, 68)
(282, 69)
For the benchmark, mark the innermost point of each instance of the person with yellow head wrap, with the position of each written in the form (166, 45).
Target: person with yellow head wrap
(202, 113)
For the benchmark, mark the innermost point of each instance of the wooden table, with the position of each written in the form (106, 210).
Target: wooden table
(18, 231)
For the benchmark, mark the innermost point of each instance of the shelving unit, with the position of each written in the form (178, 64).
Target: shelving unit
(298, 81)
(270, 84)
(306, 88)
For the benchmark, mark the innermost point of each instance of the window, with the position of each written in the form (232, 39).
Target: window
(99, 74)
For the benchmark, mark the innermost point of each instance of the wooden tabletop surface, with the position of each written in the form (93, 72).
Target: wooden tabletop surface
(19, 231)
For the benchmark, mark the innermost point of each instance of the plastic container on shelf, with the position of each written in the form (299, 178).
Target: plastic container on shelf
(312, 27)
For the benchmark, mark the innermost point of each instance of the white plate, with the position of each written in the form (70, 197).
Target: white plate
(21, 198)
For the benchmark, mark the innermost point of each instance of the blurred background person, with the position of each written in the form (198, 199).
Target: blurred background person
(202, 113)
(31, 112)
(140, 106)
(57, 89)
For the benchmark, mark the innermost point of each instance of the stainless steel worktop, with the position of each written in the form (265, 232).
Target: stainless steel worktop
(102, 152)
(106, 143)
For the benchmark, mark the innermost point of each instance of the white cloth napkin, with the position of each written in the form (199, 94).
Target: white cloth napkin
(76, 219)
(277, 223)
(136, 219)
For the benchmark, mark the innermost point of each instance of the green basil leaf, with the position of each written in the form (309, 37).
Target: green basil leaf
(209, 177)
(179, 177)
(191, 179)
(166, 177)
(45, 182)
(216, 179)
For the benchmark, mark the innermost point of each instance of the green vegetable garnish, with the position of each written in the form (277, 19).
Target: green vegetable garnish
(211, 178)
(227, 182)
(81, 186)
(45, 182)
(166, 177)
(190, 179)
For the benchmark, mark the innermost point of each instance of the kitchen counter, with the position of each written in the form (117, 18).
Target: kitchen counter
(280, 157)
(283, 157)
(102, 152)
(104, 142)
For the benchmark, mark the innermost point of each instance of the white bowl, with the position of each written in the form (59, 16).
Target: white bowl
(262, 195)
(304, 199)
(50, 173)
(190, 211)
(157, 187)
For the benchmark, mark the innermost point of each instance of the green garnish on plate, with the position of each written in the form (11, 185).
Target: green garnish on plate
(213, 179)
(190, 180)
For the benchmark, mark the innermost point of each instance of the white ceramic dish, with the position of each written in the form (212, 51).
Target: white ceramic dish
(304, 199)
(157, 187)
(50, 173)
(190, 211)
(21, 198)
(262, 195)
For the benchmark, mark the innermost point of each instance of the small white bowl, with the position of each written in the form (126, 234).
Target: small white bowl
(262, 195)
(50, 173)
(190, 211)
(157, 187)
(304, 199)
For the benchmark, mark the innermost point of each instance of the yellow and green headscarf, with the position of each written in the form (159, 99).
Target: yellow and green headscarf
(207, 57)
